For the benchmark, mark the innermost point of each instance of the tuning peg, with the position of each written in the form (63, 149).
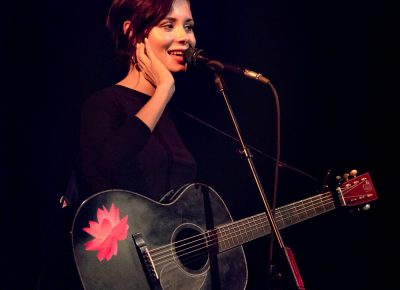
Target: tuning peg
(346, 176)
(353, 173)
(339, 179)
(366, 207)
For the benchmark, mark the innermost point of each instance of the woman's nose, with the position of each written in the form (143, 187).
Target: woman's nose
(182, 35)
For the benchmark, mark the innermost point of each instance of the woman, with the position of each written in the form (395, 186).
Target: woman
(128, 140)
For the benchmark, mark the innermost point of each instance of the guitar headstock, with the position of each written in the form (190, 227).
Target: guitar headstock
(356, 190)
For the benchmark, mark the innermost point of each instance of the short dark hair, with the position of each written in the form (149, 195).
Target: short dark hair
(143, 15)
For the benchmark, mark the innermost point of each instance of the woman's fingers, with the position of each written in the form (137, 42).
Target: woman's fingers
(153, 69)
(145, 63)
(141, 55)
(148, 49)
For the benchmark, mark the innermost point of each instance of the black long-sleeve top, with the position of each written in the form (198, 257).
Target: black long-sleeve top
(118, 151)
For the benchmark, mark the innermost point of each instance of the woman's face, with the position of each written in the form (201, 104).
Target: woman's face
(173, 35)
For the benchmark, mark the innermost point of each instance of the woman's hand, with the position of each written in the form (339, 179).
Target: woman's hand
(155, 72)
(152, 68)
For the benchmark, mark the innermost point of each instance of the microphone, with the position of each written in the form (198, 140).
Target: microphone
(195, 57)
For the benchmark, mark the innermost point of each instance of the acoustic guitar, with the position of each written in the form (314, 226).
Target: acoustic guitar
(123, 240)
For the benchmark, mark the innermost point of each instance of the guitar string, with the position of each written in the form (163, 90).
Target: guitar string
(284, 210)
(282, 215)
(200, 255)
(161, 260)
(232, 231)
(280, 211)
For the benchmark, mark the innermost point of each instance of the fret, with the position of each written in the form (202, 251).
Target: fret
(255, 229)
(319, 209)
(248, 233)
(224, 236)
(329, 206)
(302, 213)
(249, 228)
(295, 215)
(292, 217)
(221, 242)
(241, 231)
(235, 239)
(310, 212)
(231, 242)
(278, 219)
(285, 216)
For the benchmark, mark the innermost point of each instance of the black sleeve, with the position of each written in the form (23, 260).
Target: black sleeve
(108, 135)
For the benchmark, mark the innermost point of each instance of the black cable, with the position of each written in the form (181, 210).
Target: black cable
(280, 163)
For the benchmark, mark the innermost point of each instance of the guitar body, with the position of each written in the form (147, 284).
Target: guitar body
(164, 229)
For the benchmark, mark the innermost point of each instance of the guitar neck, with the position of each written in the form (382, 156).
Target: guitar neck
(251, 228)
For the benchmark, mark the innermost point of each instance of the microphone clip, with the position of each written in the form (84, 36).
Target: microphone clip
(194, 57)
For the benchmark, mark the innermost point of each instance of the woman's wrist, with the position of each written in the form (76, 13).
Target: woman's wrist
(169, 88)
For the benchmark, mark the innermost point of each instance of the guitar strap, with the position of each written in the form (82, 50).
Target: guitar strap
(214, 267)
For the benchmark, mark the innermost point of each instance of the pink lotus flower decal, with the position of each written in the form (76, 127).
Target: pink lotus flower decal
(106, 232)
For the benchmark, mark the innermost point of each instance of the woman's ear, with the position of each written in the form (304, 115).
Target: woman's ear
(127, 26)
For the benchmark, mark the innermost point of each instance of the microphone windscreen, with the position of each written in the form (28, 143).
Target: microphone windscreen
(190, 55)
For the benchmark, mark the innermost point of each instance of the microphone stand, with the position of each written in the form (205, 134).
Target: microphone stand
(219, 82)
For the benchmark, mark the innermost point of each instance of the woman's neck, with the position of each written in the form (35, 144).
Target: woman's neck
(135, 80)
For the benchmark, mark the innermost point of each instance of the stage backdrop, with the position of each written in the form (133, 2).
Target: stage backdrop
(328, 63)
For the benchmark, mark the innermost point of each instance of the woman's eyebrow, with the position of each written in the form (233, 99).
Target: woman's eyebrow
(169, 18)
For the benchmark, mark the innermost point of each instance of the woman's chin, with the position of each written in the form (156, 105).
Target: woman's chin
(177, 68)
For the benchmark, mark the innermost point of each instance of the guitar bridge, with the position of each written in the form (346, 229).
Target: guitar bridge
(147, 262)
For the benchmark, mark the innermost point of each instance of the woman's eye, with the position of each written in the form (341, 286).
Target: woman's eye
(168, 26)
(189, 27)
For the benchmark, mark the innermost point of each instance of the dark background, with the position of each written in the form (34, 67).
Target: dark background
(331, 63)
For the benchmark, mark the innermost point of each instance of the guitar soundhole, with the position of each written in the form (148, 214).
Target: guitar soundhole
(191, 248)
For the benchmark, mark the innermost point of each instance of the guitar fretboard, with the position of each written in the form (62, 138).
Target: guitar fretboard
(251, 228)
